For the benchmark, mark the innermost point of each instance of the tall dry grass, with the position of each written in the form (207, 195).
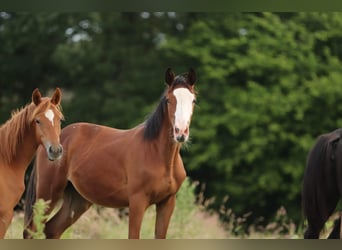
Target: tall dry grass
(191, 220)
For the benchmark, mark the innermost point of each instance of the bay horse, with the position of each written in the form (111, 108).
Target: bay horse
(116, 168)
(38, 123)
(322, 184)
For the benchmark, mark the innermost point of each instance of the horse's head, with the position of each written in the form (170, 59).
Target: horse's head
(181, 99)
(46, 119)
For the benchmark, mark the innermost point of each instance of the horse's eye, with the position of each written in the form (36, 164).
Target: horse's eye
(194, 101)
(37, 121)
(167, 101)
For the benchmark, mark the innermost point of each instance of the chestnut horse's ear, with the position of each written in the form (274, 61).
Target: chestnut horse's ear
(56, 97)
(36, 97)
(191, 76)
(169, 76)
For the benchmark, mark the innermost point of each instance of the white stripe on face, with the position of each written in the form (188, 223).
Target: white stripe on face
(50, 115)
(184, 107)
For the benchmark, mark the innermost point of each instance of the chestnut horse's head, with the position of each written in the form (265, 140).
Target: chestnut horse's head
(46, 120)
(181, 99)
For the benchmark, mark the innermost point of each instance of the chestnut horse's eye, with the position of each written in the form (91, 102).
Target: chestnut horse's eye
(37, 121)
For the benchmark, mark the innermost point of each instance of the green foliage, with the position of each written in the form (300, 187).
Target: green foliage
(114, 68)
(39, 217)
(182, 222)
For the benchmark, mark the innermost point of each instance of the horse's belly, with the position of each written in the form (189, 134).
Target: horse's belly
(116, 198)
(109, 194)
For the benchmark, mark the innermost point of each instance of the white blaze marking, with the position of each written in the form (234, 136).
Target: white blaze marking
(50, 115)
(184, 107)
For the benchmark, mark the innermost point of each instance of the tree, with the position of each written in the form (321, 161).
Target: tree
(111, 63)
(28, 42)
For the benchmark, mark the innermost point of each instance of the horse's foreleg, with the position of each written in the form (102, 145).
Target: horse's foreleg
(5, 221)
(9, 197)
(137, 206)
(164, 211)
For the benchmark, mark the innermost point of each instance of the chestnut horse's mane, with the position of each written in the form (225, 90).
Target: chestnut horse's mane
(13, 131)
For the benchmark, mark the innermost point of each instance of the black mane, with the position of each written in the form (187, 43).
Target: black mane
(154, 122)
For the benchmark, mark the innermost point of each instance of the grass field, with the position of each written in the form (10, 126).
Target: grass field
(104, 223)
(189, 221)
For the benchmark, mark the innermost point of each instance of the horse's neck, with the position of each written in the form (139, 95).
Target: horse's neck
(170, 149)
(25, 150)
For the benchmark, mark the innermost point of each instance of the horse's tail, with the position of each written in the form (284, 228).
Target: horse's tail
(30, 199)
(319, 189)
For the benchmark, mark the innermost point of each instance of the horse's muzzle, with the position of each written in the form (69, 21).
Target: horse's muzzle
(180, 138)
(181, 135)
(55, 153)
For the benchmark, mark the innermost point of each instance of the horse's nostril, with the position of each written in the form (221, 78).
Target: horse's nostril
(181, 138)
(57, 150)
(176, 130)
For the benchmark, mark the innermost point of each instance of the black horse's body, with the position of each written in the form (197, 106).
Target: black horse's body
(322, 184)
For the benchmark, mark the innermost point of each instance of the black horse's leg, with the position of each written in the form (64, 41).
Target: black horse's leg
(335, 233)
(312, 233)
(317, 221)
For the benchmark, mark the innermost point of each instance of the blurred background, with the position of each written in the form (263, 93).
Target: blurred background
(268, 85)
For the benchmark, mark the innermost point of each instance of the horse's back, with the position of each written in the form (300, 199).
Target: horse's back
(85, 131)
(88, 141)
(323, 160)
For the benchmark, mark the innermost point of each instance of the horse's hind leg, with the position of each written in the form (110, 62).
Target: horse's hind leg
(74, 205)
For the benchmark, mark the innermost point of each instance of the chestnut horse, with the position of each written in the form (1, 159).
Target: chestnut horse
(132, 168)
(36, 124)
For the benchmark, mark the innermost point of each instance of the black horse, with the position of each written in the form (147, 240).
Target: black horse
(322, 184)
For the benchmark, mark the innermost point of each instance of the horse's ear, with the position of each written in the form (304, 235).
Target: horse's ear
(169, 76)
(56, 97)
(191, 76)
(36, 97)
